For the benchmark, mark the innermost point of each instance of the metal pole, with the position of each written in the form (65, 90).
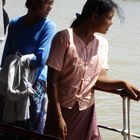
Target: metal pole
(128, 115)
(124, 132)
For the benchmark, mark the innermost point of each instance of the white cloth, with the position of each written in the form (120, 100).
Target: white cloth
(103, 51)
(16, 80)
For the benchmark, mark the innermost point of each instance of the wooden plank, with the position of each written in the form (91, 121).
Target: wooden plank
(9, 129)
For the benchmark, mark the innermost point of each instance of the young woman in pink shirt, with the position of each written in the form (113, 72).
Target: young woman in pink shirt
(77, 63)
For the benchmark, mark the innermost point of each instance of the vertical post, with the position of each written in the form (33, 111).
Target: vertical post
(1, 22)
(128, 115)
(124, 119)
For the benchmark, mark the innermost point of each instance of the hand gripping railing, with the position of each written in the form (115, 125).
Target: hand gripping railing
(126, 132)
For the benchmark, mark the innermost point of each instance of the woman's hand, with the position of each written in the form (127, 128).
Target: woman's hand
(62, 129)
(131, 91)
(107, 84)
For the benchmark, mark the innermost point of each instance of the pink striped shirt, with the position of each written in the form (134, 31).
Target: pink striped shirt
(79, 66)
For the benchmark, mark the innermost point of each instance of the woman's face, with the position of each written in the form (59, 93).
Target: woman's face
(103, 22)
(46, 7)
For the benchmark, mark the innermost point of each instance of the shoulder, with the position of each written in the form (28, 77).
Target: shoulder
(101, 39)
(49, 23)
(48, 27)
(103, 43)
(13, 22)
(62, 35)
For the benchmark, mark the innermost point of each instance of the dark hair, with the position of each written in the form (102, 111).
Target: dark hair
(30, 4)
(98, 6)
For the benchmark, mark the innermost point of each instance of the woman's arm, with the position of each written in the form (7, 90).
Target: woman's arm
(54, 101)
(106, 83)
(44, 45)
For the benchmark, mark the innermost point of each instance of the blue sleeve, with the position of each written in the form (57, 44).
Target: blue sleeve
(8, 49)
(44, 44)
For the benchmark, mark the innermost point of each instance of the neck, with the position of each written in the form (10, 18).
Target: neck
(31, 19)
(85, 33)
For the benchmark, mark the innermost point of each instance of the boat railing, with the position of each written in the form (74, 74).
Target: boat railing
(126, 130)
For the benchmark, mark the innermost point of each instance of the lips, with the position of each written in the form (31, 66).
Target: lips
(107, 28)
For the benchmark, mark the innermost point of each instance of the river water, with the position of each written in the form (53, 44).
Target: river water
(124, 57)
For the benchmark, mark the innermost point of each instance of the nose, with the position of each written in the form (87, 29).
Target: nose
(50, 7)
(111, 22)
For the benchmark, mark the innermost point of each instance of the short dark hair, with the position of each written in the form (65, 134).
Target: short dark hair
(30, 3)
(98, 6)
